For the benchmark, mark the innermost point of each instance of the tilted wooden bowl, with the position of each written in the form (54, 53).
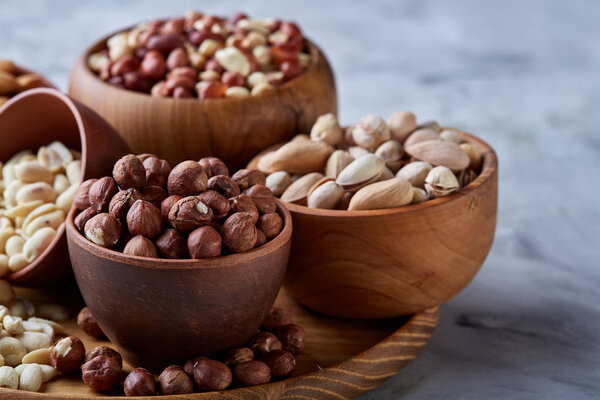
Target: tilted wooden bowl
(36, 118)
(386, 263)
(233, 129)
(161, 312)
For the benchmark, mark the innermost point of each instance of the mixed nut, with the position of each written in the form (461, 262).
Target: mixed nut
(12, 83)
(36, 193)
(203, 56)
(373, 164)
(195, 210)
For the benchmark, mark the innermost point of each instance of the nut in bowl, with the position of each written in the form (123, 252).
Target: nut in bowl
(15, 80)
(398, 215)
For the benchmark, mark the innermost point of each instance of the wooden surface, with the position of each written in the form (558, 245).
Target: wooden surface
(233, 129)
(342, 359)
(36, 118)
(396, 261)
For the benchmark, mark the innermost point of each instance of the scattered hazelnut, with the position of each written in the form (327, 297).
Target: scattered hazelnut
(140, 382)
(67, 354)
(155, 195)
(103, 229)
(292, 338)
(186, 179)
(276, 317)
(252, 373)
(238, 356)
(224, 185)
(172, 244)
(81, 199)
(244, 203)
(101, 373)
(211, 375)
(140, 246)
(204, 242)
(174, 380)
(263, 343)
(239, 232)
(246, 178)
(282, 363)
(190, 213)
(143, 218)
(218, 204)
(106, 352)
(213, 166)
(157, 171)
(129, 172)
(101, 192)
(189, 365)
(263, 198)
(122, 201)
(88, 324)
(270, 224)
(167, 204)
(83, 217)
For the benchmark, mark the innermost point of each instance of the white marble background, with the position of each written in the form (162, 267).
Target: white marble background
(525, 76)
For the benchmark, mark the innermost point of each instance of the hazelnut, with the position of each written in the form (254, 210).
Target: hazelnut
(224, 185)
(239, 233)
(101, 192)
(252, 373)
(204, 242)
(103, 229)
(246, 178)
(172, 244)
(244, 203)
(140, 382)
(218, 204)
(122, 201)
(282, 363)
(81, 200)
(83, 217)
(211, 375)
(213, 166)
(190, 213)
(263, 198)
(186, 179)
(67, 354)
(260, 238)
(157, 171)
(291, 337)
(101, 373)
(140, 246)
(189, 365)
(167, 204)
(88, 324)
(129, 172)
(263, 343)
(238, 356)
(106, 352)
(277, 317)
(144, 156)
(143, 218)
(270, 224)
(155, 195)
(174, 380)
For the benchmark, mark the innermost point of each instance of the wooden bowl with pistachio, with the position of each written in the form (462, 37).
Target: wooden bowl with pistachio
(390, 218)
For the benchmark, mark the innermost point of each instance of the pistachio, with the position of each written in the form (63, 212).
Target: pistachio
(385, 175)
(297, 192)
(467, 176)
(370, 132)
(357, 151)
(401, 124)
(440, 182)
(396, 192)
(440, 152)
(415, 172)
(361, 172)
(433, 125)
(338, 160)
(474, 155)
(419, 195)
(325, 194)
(450, 135)
(327, 129)
(391, 151)
(278, 182)
(421, 135)
(299, 157)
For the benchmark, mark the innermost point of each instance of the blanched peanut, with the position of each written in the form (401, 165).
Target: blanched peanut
(48, 372)
(34, 340)
(9, 378)
(23, 210)
(38, 243)
(12, 350)
(56, 327)
(62, 150)
(31, 378)
(65, 199)
(10, 193)
(39, 356)
(14, 245)
(21, 308)
(3, 312)
(73, 171)
(41, 210)
(53, 312)
(6, 292)
(61, 183)
(52, 220)
(1, 360)
(18, 157)
(36, 191)
(32, 171)
(17, 262)
(13, 325)
(50, 159)
(5, 234)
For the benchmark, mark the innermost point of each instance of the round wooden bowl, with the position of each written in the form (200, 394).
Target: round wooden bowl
(36, 118)
(233, 129)
(161, 312)
(386, 263)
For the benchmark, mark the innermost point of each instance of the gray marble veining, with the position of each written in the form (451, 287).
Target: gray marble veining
(523, 75)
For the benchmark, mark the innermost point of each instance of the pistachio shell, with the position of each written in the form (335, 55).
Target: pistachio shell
(370, 132)
(451, 135)
(299, 156)
(357, 151)
(440, 152)
(396, 192)
(419, 195)
(421, 135)
(415, 172)
(297, 192)
(441, 181)
(278, 182)
(391, 152)
(474, 155)
(401, 124)
(325, 194)
(433, 125)
(327, 129)
(338, 160)
(385, 175)
(361, 172)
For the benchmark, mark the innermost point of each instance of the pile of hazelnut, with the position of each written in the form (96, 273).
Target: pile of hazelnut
(195, 210)
(203, 56)
(12, 83)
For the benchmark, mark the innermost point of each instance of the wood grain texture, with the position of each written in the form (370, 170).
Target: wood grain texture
(36, 118)
(396, 261)
(342, 360)
(232, 129)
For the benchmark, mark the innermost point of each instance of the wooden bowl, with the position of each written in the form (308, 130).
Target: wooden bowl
(161, 312)
(233, 129)
(40, 116)
(386, 263)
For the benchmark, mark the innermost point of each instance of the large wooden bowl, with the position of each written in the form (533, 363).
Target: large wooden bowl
(232, 129)
(161, 312)
(36, 118)
(386, 263)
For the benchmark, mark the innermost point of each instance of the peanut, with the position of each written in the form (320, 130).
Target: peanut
(38, 243)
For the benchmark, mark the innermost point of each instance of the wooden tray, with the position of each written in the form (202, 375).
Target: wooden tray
(342, 359)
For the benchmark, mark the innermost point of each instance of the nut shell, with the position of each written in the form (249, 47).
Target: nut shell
(67, 355)
(189, 213)
(210, 375)
(88, 324)
(173, 380)
(239, 232)
(140, 382)
(204, 242)
(101, 373)
(143, 218)
(186, 179)
(252, 373)
(129, 172)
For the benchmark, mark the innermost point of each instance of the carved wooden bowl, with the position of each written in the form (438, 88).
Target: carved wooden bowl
(161, 312)
(36, 118)
(233, 129)
(386, 263)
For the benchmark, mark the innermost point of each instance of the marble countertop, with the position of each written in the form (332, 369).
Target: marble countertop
(525, 76)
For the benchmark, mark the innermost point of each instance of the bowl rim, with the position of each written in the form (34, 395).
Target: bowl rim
(315, 52)
(60, 232)
(488, 169)
(284, 237)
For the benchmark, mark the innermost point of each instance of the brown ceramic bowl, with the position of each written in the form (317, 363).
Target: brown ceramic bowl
(387, 263)
(161, 312)
(34, 119)
(232, 129)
